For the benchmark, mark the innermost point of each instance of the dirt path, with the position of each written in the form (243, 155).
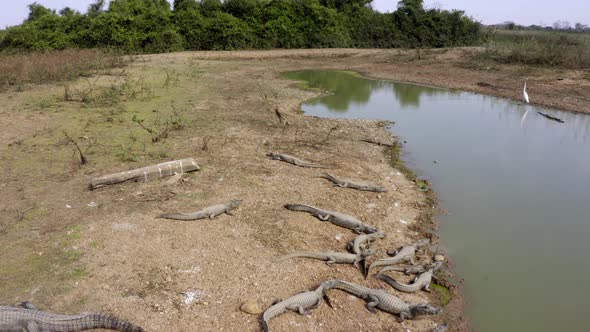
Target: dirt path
(69, 249)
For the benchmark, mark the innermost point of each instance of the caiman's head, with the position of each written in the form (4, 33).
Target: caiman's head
(423, 309)
(436, 265)
(380, 190)
(328, 284)
(422, 242)
(324, 287)
(370, 229)
(235, 202)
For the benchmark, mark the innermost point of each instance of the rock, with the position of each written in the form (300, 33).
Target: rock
(251, 307)
(439, 258)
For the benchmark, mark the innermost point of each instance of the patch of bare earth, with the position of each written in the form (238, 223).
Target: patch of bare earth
(70, 249)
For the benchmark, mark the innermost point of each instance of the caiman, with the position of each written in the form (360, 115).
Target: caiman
(337, 218)
(420, 282)
(293, 160)
(353, 184)
(301, 303)
(208, 212)
(30, 319)
(405, 254)
(382, 300)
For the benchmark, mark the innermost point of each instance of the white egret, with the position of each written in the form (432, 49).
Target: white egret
(526, 99)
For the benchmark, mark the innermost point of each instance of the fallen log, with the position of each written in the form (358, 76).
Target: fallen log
(147, 173)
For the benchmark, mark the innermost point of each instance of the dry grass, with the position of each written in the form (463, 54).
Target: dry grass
(20, 69)
(538, 48)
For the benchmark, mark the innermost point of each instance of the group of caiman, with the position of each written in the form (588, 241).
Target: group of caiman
(359, 249)
(26, 317)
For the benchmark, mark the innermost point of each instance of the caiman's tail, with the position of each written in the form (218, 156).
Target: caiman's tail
(397, 285)
(304, 254)
(374, 264)
(300, 207)
(100, 321)
(264, 325)
(177, 216)
(328, 176)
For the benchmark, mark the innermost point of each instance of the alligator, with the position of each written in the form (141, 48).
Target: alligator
(293, 160)
(360, 244)
(208, 212)
(337, 218)
(404, 254)
(412, 269)
(28, 318)
(347, 183)
(550, 117)
(407, 269)
(330, 257)
(300, 303)
(420, 282)
(380, 299)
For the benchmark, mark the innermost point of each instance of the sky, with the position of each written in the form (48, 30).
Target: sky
(526, 12)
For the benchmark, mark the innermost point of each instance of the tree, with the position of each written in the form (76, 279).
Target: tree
(210, 7)
(96, 7)
(37, 11)
(581, 27)
(184, 5)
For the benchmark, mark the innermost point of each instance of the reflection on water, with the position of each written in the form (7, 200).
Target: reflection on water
(517, 194)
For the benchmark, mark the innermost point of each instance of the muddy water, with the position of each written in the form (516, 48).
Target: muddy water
(517, 193)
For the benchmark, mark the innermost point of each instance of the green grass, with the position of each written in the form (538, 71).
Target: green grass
(443, 293)
(537, 48)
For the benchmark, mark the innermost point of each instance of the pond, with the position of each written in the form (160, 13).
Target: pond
(516, 191)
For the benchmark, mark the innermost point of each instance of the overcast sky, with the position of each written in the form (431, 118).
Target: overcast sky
(542, 12)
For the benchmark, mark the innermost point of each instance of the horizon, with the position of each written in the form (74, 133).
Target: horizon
(545, 12)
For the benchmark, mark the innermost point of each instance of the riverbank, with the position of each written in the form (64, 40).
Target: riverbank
(71, 249)
(452, 68)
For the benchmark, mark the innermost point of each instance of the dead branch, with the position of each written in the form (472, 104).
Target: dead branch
(328, 135)
(282, 119)
(83, 159)
(206, 140)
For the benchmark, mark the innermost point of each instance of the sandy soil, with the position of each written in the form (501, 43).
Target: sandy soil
(70, 249)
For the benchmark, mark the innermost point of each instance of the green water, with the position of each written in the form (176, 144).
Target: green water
(517, 193)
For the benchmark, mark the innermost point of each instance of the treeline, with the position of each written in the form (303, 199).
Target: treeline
(153, 26)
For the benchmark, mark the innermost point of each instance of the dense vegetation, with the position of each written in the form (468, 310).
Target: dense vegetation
(153, 26)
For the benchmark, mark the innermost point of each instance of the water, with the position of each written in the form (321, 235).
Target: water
(517, 193)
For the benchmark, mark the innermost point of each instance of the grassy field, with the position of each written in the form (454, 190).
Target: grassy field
(539, 48)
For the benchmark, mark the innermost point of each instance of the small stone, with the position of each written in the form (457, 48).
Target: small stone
(251, 307)
(439, 258)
